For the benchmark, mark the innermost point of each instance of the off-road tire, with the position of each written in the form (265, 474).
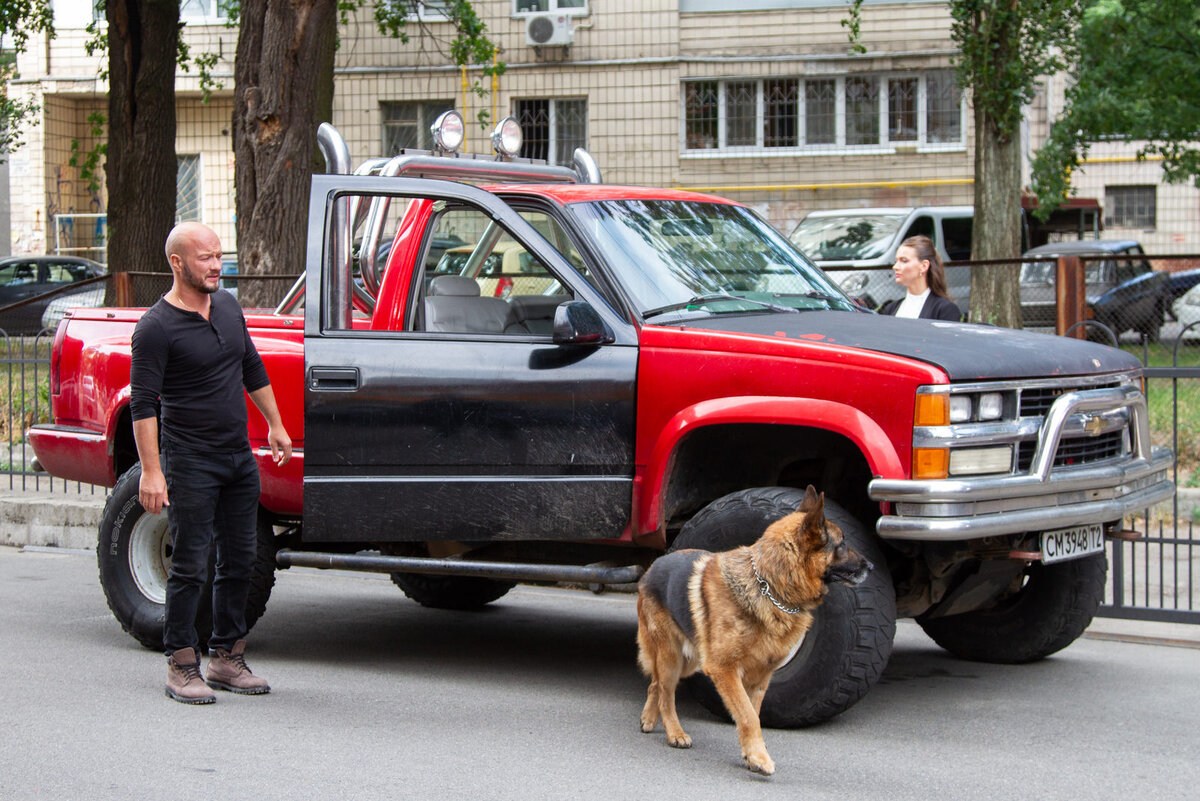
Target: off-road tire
(1053, 607)
(847, 648)
(133, 556)
(462, 593)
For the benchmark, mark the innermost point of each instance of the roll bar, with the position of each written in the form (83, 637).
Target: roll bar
(349, 213)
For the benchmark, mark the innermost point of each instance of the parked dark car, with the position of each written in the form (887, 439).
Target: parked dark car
(1123, 291)
(23, 277)
(1182, 281)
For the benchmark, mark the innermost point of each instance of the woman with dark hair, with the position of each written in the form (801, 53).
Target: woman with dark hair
(919, 270)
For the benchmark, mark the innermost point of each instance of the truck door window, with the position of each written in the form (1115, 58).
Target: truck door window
(489, 283)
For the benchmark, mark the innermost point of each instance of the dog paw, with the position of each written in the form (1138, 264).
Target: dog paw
(648, 725)
(760, 763)
(680, 740)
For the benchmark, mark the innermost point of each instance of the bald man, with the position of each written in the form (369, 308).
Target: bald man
(193, 355)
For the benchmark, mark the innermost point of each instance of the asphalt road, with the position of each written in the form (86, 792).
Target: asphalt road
(538, 698)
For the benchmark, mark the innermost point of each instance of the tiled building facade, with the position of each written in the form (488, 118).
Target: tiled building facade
(760, 100)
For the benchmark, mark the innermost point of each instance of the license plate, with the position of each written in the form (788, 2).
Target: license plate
(1072, 543)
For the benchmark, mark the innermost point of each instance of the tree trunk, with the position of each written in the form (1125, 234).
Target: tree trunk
(140, 164)
(283, 76)
(995, 288)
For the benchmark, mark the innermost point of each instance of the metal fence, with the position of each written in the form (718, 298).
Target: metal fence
(1152, 578)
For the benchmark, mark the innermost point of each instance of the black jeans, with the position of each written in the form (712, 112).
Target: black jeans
(213, 498)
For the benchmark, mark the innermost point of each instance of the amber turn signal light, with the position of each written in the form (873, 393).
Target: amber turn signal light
(930, 463)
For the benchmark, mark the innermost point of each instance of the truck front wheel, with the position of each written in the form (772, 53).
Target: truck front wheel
(1053, 606)
(134, 558)
(844, 653)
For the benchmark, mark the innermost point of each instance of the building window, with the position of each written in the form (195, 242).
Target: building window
(406, 125)
(902, 110)
(574, 8)
(701, 112)
(820, 112)
(741, 114)
(780, 107)
(200, 10)
(429, 10)
(848, 111)
(943, 108)
(553, 128)
(862, 111)
(187, 189)
(1130, 206)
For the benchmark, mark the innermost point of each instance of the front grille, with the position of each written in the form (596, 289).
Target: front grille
(1074, 452)
(1036, 401)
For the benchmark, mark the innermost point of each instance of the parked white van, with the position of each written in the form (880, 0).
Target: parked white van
(858, 247)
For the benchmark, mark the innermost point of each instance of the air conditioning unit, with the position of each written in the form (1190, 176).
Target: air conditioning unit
(544, 30)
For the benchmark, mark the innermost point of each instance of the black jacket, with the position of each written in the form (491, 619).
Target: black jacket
(935, 308)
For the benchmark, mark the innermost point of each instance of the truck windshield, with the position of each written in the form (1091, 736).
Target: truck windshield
(846, 238)
(683, 258)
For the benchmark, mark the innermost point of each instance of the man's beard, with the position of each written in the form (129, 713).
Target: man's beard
(198, 283)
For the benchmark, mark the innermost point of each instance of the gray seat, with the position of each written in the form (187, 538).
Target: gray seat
(454, 305)
(533, 314)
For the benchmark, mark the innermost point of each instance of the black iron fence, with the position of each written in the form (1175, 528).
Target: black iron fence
(1154, 577)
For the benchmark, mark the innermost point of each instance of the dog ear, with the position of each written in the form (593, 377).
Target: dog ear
(814, 518)
(810, 499)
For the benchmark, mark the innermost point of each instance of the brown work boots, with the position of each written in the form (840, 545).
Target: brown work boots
(227, 670)
(184, 682)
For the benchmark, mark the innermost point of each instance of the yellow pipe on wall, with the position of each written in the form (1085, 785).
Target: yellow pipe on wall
(851, 185)
(465, 109)
(495, 82)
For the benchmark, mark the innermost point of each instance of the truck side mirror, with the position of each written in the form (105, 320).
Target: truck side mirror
(577, 323)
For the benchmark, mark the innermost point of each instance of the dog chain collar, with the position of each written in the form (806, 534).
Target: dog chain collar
(765, 590)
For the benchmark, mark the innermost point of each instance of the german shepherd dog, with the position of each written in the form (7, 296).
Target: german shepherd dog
(736, 616)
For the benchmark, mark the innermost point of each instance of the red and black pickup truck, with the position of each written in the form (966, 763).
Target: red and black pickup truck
(550, 379)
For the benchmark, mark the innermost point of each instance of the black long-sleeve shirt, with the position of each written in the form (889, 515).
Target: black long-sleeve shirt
(198, 368)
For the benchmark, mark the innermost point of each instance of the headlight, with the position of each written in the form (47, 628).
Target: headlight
(979, 461)
(853, 283)
(960, 408)
(941, 414)
(983, 407)
(991, 406)
(448, 131)
(507, 137)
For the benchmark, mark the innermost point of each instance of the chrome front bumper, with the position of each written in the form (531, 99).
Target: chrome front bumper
(1043, 498)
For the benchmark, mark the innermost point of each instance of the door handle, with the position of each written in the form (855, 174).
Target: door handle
(342, 379)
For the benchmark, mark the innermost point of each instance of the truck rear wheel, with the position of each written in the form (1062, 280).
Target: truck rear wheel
(134, 558)
(462, 593)
(844, 653)
(1052, 608)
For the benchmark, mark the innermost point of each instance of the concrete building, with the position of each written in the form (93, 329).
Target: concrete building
(763, 101)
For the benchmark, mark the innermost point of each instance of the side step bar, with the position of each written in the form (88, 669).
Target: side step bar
(378, 563)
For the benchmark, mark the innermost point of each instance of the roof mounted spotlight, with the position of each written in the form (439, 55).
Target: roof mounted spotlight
(448, 132)
(507, 138)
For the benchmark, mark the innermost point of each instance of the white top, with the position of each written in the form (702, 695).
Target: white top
(911, 305)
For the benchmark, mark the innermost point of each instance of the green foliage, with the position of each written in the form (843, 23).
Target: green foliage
(853, 25)
(19, 19)
(1005, 46)
(89, 167)
(469, 45)
(204, 66)
(1136, 78)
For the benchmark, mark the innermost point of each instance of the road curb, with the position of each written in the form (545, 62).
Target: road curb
(52, 520)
